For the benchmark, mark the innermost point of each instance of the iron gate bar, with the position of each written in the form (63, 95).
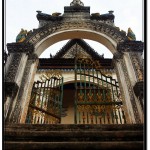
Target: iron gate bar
(47, 93)
(84, 84)
(82, 88)
(43, 94)
(102, 86)
(75, 105)
(99, 79)
(98, 82)
(40, 84)
(35, 107)
(49, 105)
(114, 101)
(80, 79)
(99, 103)
(89, 78)
(55, 97)
(50, 102)
(62, 81)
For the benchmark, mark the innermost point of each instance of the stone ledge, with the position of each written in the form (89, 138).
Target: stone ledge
(127, 46)
(20, 48)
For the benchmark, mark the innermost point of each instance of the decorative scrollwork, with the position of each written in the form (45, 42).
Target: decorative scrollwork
(99, 97)
(80, 96)
(110, 31)
(130, 90)
(51, 73)
(137, 66)
(90, 97)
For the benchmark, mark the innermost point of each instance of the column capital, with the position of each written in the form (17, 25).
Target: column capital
(20, 48)
(127, 46)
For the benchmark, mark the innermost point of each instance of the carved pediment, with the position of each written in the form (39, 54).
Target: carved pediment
(77, 48)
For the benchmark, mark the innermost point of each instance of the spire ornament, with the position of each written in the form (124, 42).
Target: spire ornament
(131, 36)
(76, 3)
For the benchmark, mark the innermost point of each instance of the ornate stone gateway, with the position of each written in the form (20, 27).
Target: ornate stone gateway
(46, 102)
(106, 111)
(77, 22)
(98, 98)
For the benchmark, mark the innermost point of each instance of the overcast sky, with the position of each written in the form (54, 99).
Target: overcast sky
(22, 14)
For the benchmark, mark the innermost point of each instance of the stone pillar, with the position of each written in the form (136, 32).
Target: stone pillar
(133, 51)
(135, 71)
(133, 61)
(14, 70)
(137, 63)
(117, 60)
(26, 89)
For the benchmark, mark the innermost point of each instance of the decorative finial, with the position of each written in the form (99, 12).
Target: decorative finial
(76, 3)
(131, 36)
(21, 36)
(110, 11)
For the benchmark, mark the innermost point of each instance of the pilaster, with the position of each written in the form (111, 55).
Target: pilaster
(21, 106)
(14, 70)
(126, 89)
(129, 76)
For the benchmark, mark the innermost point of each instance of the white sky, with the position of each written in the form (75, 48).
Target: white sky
(22, 14)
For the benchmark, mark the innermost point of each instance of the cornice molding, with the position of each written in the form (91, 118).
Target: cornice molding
(20, 48)
(127, 46)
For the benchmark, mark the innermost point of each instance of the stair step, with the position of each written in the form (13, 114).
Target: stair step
(73, 135)
(70, 127)
(136, 145)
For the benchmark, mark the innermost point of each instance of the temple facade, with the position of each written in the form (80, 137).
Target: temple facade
(77, 90)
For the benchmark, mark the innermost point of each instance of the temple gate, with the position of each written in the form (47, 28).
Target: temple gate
(76, 99)
(21, 65)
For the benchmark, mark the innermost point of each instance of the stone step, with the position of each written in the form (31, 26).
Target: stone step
(51, 136)
(71, 127)
(136, 145)
(73, 137)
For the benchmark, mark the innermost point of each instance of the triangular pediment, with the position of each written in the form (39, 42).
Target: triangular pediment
(79, 48)
(76, 50)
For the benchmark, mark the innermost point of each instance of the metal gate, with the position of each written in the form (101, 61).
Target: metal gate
(46, 102)
(97, 97)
